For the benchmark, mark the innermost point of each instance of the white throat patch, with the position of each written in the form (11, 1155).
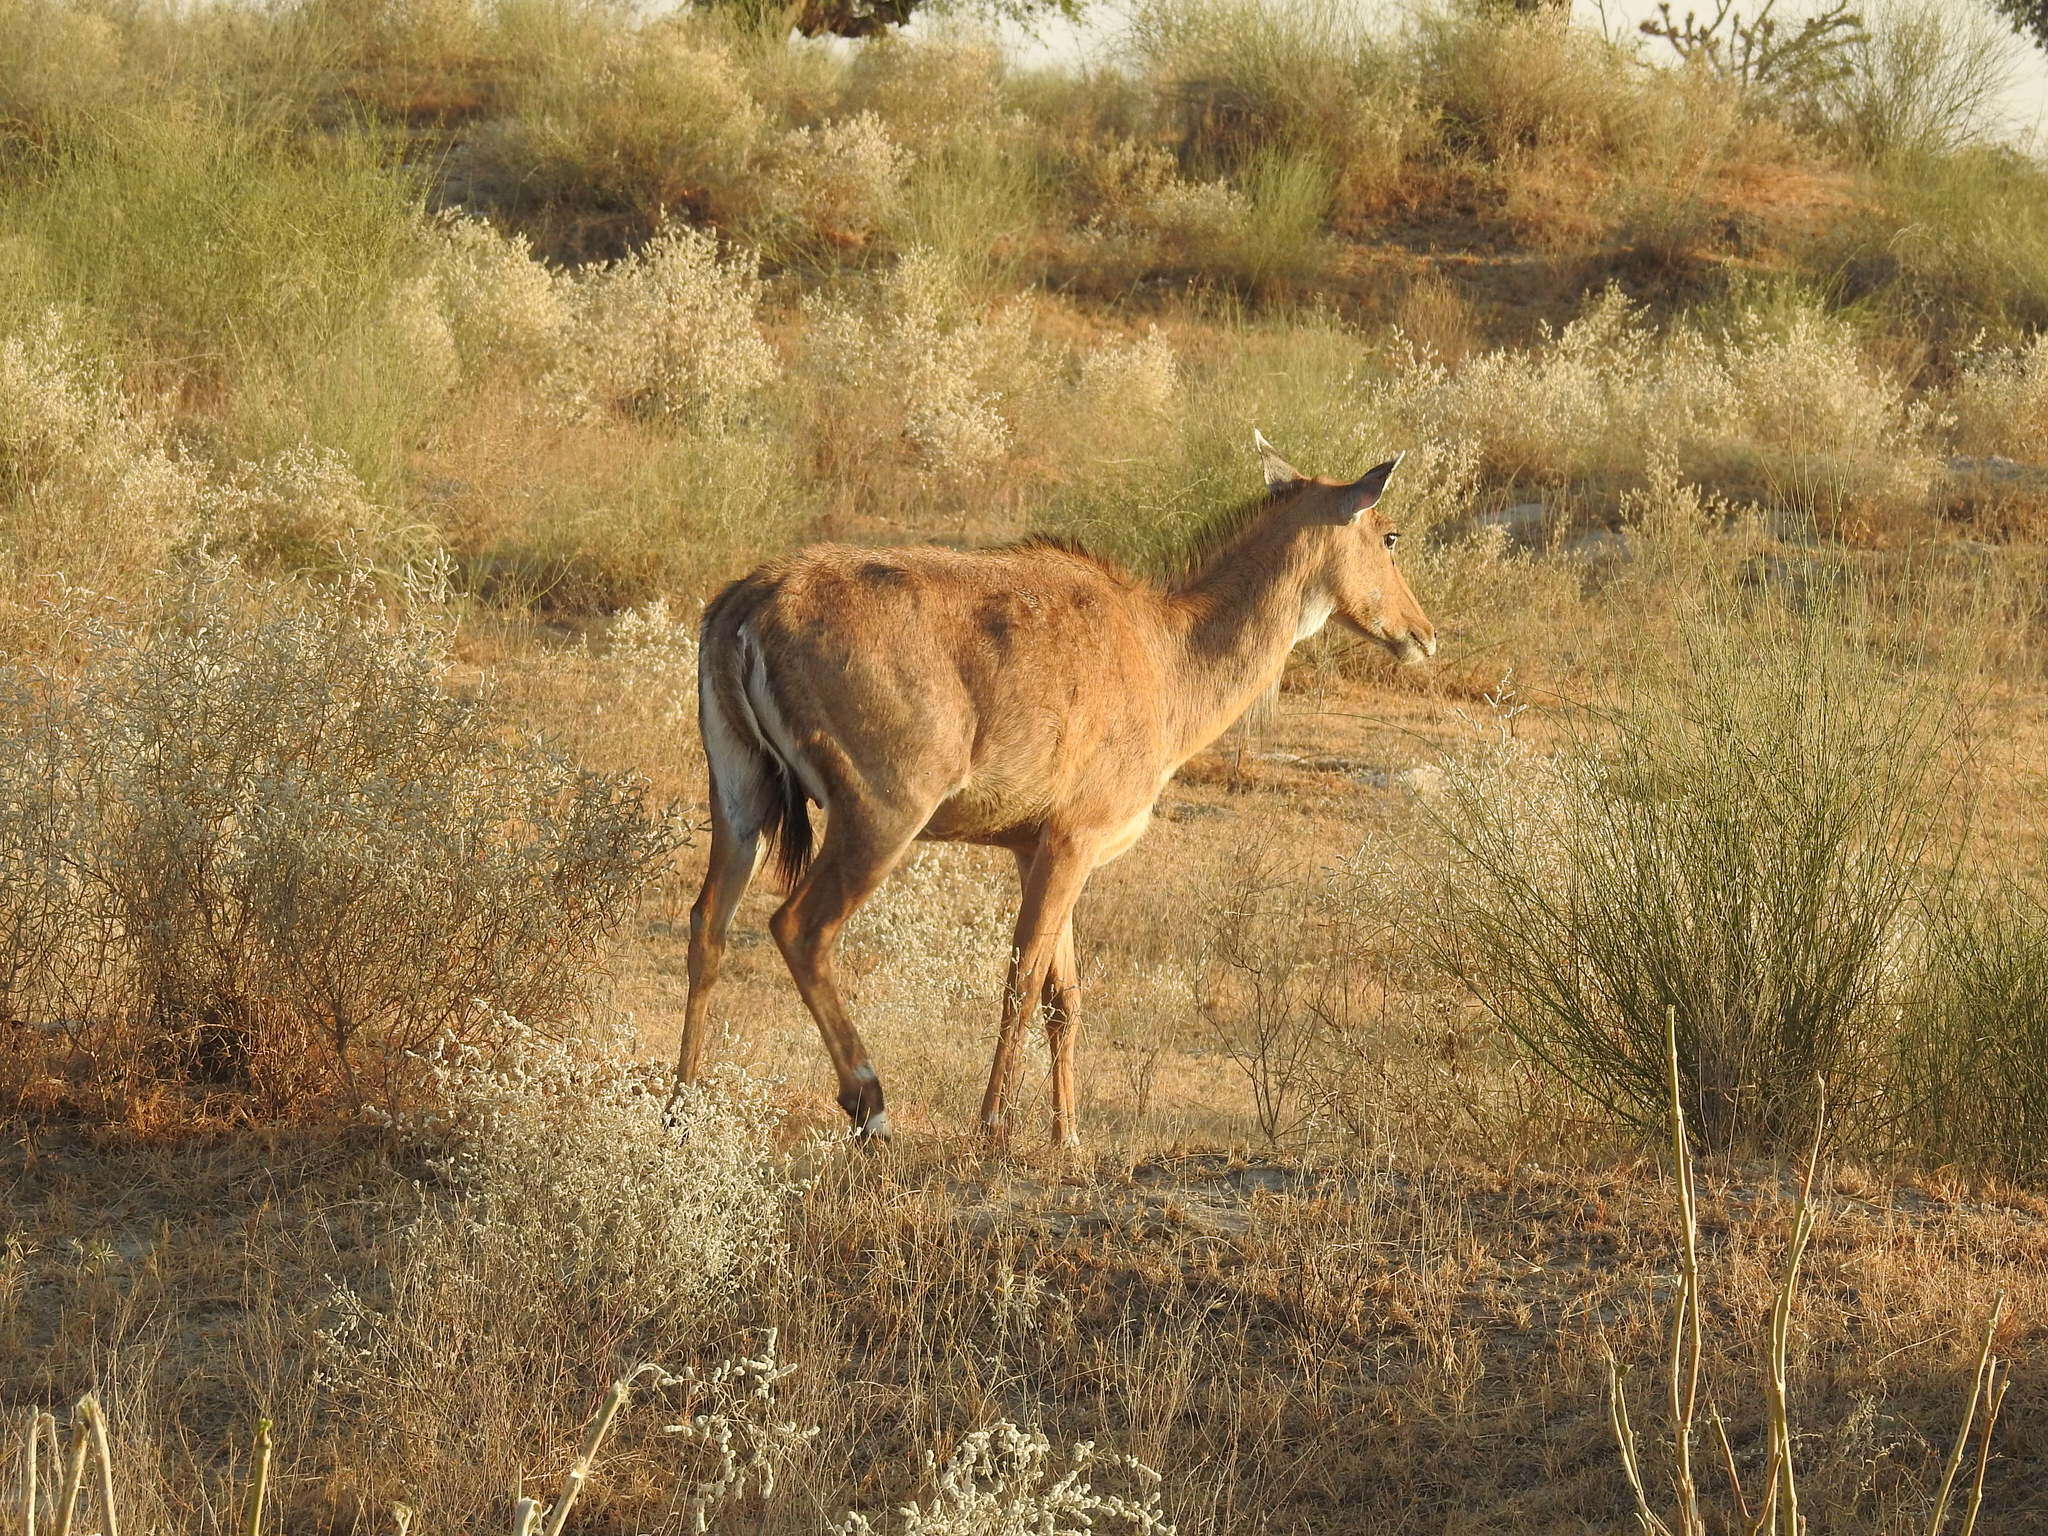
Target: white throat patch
(1315, 613)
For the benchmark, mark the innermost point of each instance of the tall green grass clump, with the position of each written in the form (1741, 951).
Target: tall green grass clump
(212, 235)
(1953, 245)
(1974, 1064)
(269, 278)
(1245, 85)
(1735, 840)
(1507, 85)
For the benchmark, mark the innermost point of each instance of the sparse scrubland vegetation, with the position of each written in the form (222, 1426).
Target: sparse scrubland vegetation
(384, 386)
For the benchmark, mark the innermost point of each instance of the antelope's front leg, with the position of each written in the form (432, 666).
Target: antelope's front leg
(1052, 885)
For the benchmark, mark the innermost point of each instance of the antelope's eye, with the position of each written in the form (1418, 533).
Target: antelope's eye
(1393, 539)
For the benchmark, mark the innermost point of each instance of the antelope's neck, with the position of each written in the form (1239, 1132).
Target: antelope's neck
(1232, 626)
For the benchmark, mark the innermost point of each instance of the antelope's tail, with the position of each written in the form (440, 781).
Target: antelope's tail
(756, 778)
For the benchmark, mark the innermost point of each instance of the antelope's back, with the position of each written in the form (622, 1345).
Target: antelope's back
(997, 675)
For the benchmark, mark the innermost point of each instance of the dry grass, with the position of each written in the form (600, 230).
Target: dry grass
(1320, 1348)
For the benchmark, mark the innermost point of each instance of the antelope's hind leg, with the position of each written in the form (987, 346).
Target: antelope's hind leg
(734, 857)
(858, 852)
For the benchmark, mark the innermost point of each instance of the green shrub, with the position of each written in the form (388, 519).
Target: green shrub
(278, 277)
(288, 855)
(1280, 250)
(613, 126)
(1737, 838)
(58, 65)
(932, 91)
(978, 202)
(684, 513)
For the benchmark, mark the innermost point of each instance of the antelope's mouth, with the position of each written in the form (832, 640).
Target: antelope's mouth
(1412, 652)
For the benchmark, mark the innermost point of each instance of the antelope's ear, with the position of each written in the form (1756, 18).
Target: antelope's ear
(1279, 473)
(1363, 494)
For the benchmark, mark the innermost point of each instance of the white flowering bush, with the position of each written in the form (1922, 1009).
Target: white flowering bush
(1196, 215)
(1552, 406)
(419, 337)
(562, 1230)
(2000, 402)
(739, 1429)
(305, 508)
(1123, 403)
(1806, 386)
(1010, 1481)
(561, 1147)
(87, 473)
(652, 653)
(1119, 177)
(1778, 386)
(923, 365)
(285, 854)
(671, 332)
(1141, 376)
(841, 182)
(501, 303)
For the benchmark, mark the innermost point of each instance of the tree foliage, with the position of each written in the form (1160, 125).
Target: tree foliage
(867, 18)
(2029, 18)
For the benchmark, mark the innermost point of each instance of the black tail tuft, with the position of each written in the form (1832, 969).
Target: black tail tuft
(789, 826)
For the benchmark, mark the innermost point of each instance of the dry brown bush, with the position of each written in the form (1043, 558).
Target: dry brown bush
(263, 847)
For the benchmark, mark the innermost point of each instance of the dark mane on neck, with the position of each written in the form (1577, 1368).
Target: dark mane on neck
(1073, 549)
(1217, 533)
(1208, 538)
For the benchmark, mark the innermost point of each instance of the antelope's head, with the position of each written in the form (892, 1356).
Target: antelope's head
(1359, 580)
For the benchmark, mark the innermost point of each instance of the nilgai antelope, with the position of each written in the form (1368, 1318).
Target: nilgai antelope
(1032, 698)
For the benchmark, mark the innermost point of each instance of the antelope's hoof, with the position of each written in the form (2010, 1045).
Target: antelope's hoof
(863, 1106)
